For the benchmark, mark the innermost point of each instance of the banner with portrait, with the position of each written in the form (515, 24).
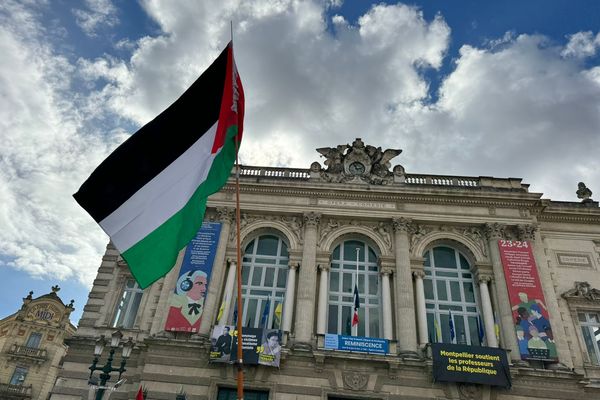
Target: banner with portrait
(186, 303)
(259, 346)
(530, 314)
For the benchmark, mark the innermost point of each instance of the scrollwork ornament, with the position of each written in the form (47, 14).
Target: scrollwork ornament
(355, 380)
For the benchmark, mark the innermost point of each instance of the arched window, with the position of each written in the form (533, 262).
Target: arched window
(264, 276)
(450, 294)
(342, 278)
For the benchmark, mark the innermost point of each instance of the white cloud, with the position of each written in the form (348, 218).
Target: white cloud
(96, 14)
(582, 45)
(518, 106)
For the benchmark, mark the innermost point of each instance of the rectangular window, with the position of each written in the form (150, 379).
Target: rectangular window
(34, 340)
(19, 376)
(128, 305)
(590, 328)
(231, 394)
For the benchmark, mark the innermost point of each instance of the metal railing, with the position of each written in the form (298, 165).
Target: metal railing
(8, 391)
(24, 351)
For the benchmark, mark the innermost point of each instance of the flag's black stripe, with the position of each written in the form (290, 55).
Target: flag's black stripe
(156, 145)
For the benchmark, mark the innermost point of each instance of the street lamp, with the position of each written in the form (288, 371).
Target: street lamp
(115, 340)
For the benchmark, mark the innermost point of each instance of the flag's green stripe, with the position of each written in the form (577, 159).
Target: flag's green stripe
(154, 256)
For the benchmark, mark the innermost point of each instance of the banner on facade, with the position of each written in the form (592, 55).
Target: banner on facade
(356, 343)
(530, 314)
(186, 303)
(470, 364)
(259, 346)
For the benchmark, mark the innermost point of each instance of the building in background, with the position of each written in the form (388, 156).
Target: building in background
(468, 288)
(32, 346)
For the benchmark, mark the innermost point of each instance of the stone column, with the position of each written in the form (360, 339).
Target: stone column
(387, 303)
(404, 297)
(290, 291)
(322, 306)
(228, 293)
(216, 280)
(532, 234)
(421, 311)
(307, 287)
(488, 313)
(495, 232)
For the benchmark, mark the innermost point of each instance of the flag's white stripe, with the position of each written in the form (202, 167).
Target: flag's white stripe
(163, 196)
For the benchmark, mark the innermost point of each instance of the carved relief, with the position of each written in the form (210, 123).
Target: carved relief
(328, 227)
(404, 225)
(475, 235)
(526, 232)
(225, 214)
(494, 231)
(383, 231)
(294, 223)
(468, 391)
(358, 163)
(312, 219)
(355, 380)
(582, 291)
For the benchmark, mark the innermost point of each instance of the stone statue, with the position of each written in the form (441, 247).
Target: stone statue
(357, 163)
(583, 193)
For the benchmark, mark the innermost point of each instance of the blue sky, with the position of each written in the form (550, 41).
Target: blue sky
(472, 88)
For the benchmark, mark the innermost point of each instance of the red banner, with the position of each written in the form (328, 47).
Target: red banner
(530, 314)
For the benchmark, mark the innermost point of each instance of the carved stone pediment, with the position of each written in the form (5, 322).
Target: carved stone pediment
(357, 163)
(583, 291)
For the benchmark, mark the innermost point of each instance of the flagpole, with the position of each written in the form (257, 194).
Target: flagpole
(240, 360)
(355, 328)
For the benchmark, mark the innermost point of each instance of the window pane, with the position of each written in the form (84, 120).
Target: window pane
(444, 257)
(373, 284)
(445, 327)
(446, 273)
(459, 329)
(256, 276)
(132, 311)
(431, 329)
(582, 317)
(347, 283)
(284, 250)
(455, 291)
(267, 245)
(426, 263)
(361, 322)
(18, 376)
(245, 274)
(473, 331)
(374, 323)
(372, 256)
(269, 276)
(441, 290)
(589, 344)
(593, 318)
(336, 253)
(464, 264)
(334, 281)
(250, 247)
(469, 292)
(346, 320)
(350, 250)
(332, 318)
(34, 340)
(250, 316)
(428, 284)
(282, 277)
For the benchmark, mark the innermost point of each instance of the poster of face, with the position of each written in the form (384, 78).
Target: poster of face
(530, 314)
(186, 303)
(259, 346)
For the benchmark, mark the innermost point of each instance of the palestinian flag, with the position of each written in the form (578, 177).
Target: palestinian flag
(150, 194)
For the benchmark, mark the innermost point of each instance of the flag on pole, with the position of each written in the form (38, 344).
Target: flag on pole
(150, 194)
(451, 325)
(235, 314)
(140, 394)
(264, 319)
(356, 306)
(278, 313)
(480, 330)
(496, 328)
(437, 329)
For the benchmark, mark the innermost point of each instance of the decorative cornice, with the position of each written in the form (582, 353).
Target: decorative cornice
(403, 197)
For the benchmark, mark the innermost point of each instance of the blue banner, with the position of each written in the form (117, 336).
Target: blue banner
(356, 343)
(186, 304)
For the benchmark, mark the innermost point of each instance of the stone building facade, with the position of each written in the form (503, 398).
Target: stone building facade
(32, 346)
(423, 250)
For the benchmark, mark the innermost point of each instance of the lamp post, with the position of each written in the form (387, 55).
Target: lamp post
(115, 340)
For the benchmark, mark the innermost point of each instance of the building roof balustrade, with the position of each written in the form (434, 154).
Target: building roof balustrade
(35, 354)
